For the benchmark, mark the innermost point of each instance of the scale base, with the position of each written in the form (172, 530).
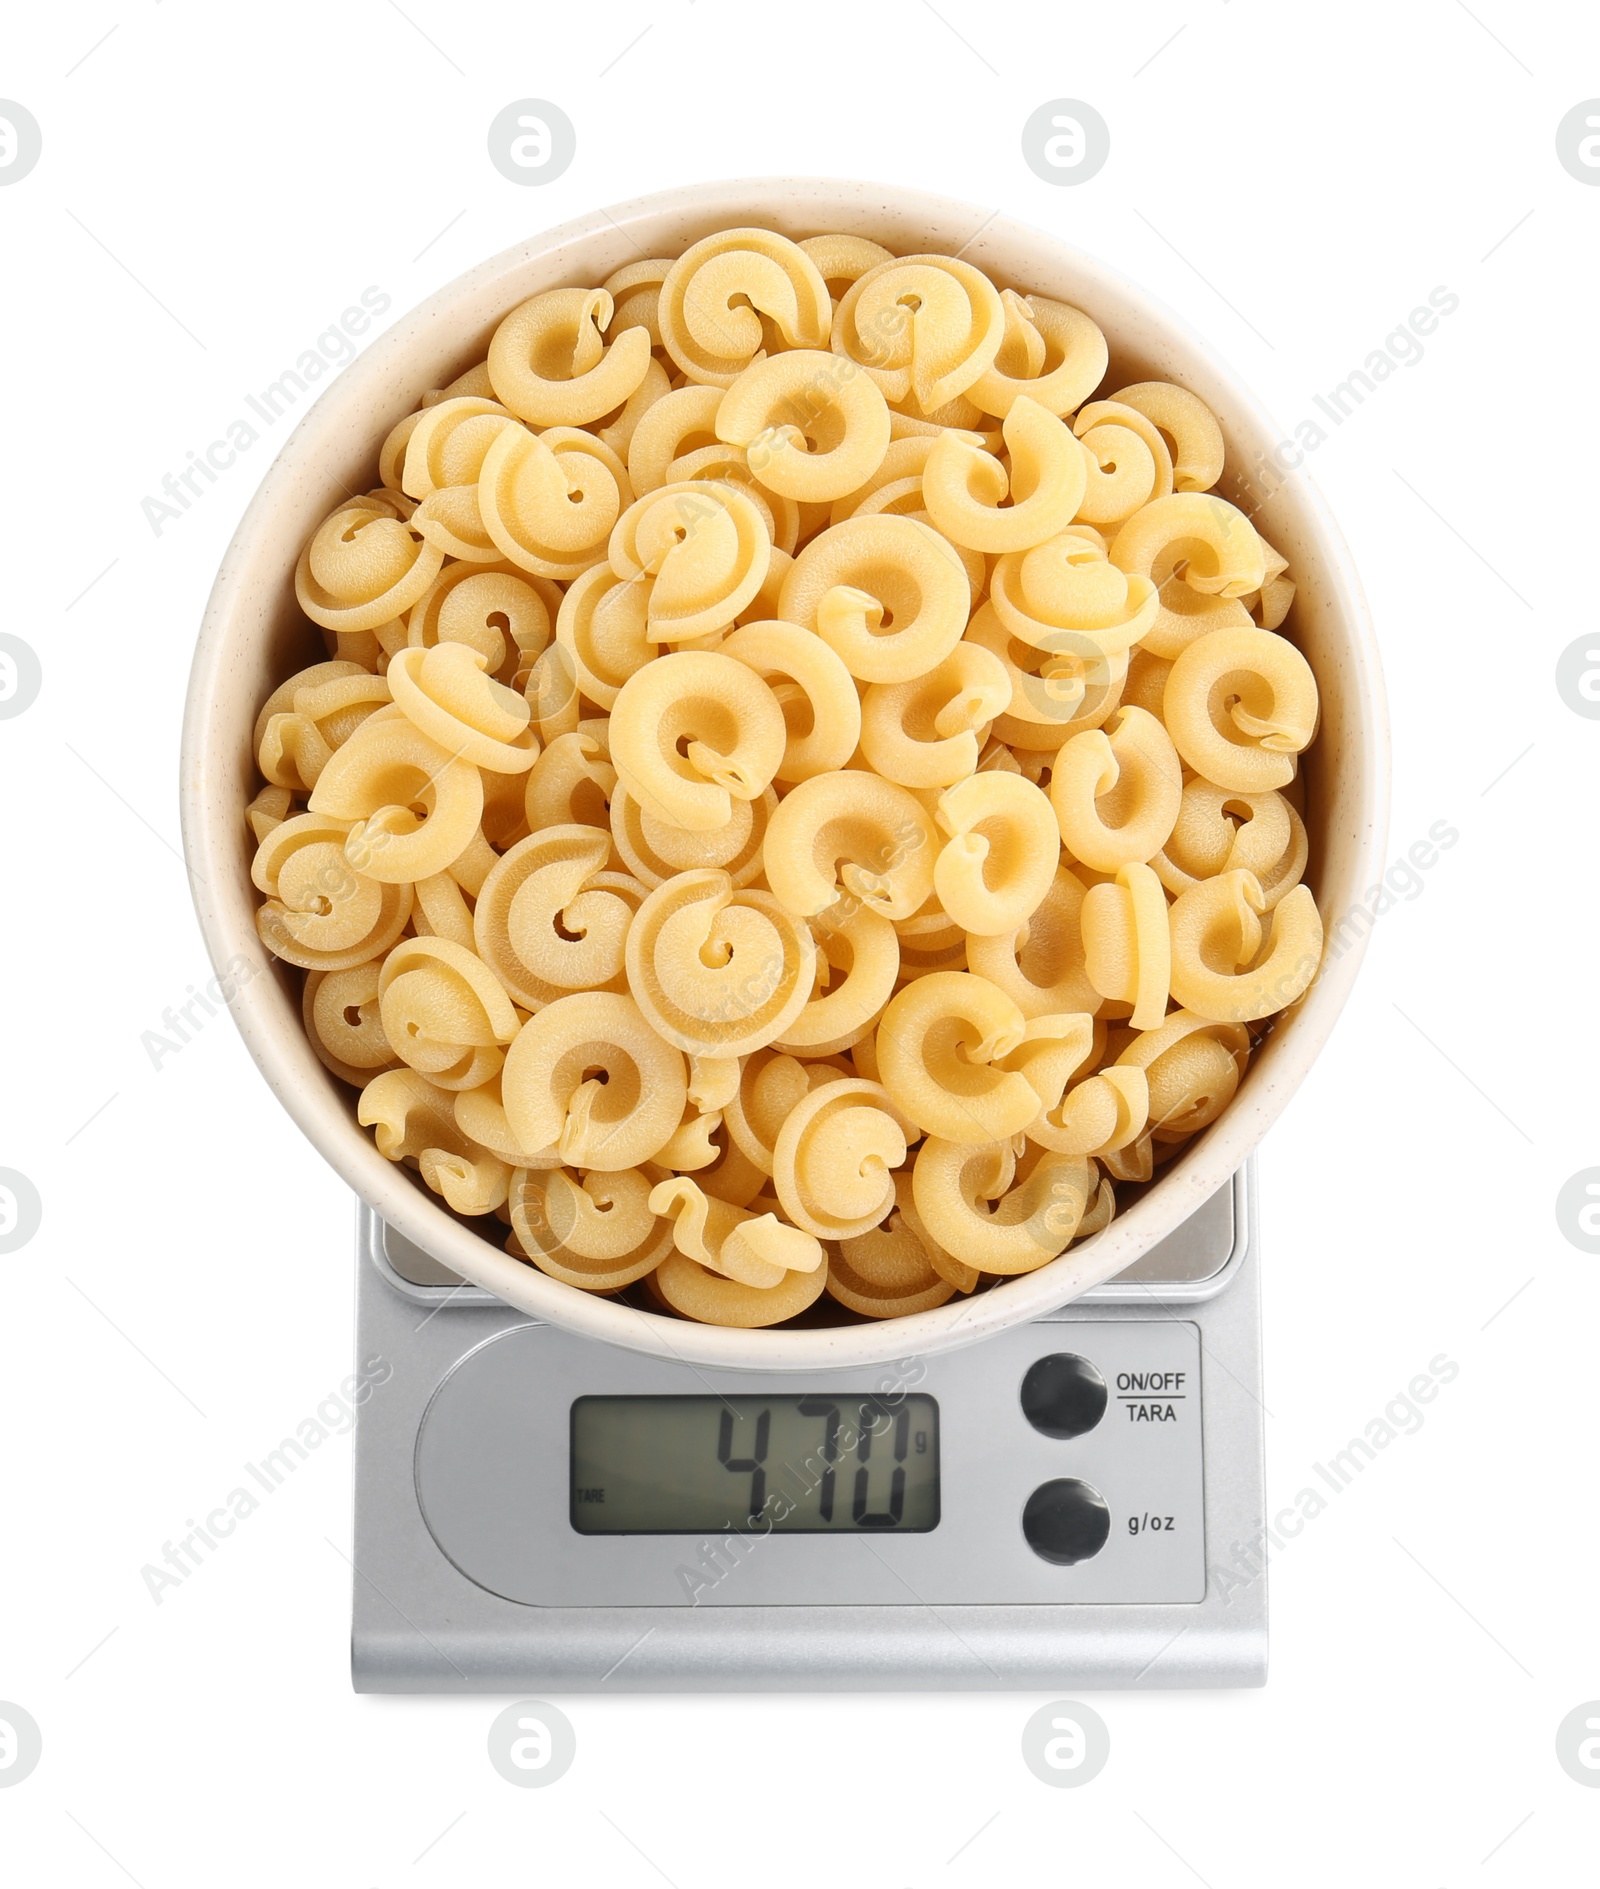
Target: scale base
(421, 1625)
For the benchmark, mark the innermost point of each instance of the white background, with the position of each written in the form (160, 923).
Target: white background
(217, 184)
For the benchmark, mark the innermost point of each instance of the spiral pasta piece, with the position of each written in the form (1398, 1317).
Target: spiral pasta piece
(442, 911)
(963, 486)
(922, 326)
(603, 625)
(1222, 559)
(1116, 796)
(1191, 1067)
(698, 1293)
(1114, 413)
(1189, 426)
(954, 1183)
(755, 1250)
(653, 848)
(832, 1166)
(392, 453)
(596, 1232)
(722, 465)
(320, 912)
(571, 784)
(481, 1115)
(364, 566)
(1068, 583)
(938, 1050)
(884, 592)
(550, 501)
(635, 291)
(588, 1074)
(1240, 705)
(956, 1271)
(683, 421)
(1227, 966)
(1094, 1115)
(376, 779)
(444, 1012)
(693, 731)
(1221, 831)
(1127, 951)
(812, 426)
(719, 294)
(281, 700)
(445, 693)
(1001, 854)
(842, 259)
(855, 833)
(1050, 353)
(617, 431)
(500, 612)
(718, 971)
(551, 920)
(413, 1121)
(1040, 965)
(1269, 606)
(818, 699)
(1122, 475)
(297, 740)
(927, 732)
(340, 1009)
(1056, 692)
(770, 1086)
(473, 383)
(863, 946)
(549, 364)
(892, 1271)
(704, 549)
(444, 456)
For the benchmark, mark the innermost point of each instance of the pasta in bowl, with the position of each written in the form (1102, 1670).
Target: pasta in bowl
(808, 806)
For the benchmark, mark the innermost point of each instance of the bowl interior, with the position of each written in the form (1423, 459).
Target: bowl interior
(254, 635)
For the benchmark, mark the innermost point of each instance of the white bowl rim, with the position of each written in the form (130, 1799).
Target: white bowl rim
(225, 905)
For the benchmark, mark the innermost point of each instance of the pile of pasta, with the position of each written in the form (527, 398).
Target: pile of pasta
(803, 795)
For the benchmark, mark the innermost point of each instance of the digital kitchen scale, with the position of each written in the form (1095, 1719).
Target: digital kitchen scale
(1038, 1510)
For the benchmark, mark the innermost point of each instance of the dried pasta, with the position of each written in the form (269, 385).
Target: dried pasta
(834, 1160)
(718, 970)
(802, 797)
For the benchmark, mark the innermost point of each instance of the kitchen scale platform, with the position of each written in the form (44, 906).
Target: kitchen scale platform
(1036, 1511)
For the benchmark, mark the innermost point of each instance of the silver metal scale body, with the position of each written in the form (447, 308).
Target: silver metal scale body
(1122, 1434)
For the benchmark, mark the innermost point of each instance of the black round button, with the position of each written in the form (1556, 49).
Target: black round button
(1063, 1395)
(1066, 1521)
